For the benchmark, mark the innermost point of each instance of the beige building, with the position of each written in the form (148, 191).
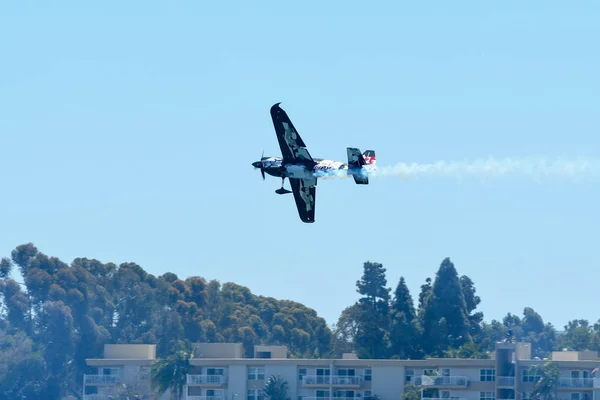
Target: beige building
(125, 369)
(219, 372)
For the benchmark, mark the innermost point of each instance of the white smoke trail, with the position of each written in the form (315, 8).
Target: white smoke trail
(579, 169)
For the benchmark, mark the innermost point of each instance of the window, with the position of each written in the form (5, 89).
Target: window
(409, 375)
(367, 395)
(486, 395)
(301, 373)
(445, 372)
(348, 394)
(110, 371)
(215, 371)
(255, 394)
(322, 394)
(323, 375)
(368, 373)
(487, 375)
(346, 372)
(256, 374)
(445, 394)
(213, 393)
(529, 378)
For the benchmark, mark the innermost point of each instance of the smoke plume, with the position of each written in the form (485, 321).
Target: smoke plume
(538, 168)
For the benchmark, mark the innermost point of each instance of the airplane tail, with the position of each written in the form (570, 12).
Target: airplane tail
(369, 156)
(359, 164)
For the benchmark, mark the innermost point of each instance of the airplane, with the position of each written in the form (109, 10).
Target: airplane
(303, 171)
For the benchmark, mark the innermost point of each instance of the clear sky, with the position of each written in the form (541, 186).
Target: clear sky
(128, 130)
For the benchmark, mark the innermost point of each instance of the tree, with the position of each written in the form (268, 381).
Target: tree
(404, 325)
(171, 373)
(5, 268)
(579, 335)
(546, 387)
(346, 330)
(372, 338)
(445, 318)
(276, 388)
(423, 298)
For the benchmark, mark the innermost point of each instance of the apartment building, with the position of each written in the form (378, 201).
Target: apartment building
(220, 372)
(124, 370)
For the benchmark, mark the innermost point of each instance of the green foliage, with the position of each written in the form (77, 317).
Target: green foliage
(546, 387)
(372, 339)
(65, 313)
(446, 317)
(170, 373)
(446, 322)
(68, 312)
(276, 388)
(404, 332)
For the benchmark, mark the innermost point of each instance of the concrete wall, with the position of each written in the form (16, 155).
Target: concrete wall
(130, 351)
(387, 382)
(276, 351)
(237, 378)
(218, 350)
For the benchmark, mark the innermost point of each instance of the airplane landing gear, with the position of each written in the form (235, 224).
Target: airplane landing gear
(282, 190)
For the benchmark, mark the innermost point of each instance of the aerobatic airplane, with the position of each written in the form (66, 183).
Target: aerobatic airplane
(302, 170)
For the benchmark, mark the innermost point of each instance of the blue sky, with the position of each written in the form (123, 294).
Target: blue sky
(129, 128)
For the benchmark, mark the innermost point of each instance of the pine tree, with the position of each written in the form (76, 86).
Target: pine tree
(404, 324)
(472, 301)
(445, 318)
(372, 338)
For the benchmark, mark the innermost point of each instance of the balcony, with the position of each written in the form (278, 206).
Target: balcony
(576, 382)
(206, 379)
(316, 380)
(101, 379)
(346, 380)
(339, 380)
(505, 381)
(444, 380)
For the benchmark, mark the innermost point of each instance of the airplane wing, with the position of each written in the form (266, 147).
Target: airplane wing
(305, 192)
(291, 144)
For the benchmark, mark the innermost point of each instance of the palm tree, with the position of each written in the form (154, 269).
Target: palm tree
(276, 388)
(171, 373)
(546, 387)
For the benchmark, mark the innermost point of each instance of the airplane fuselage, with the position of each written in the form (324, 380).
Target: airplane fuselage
(322, 168)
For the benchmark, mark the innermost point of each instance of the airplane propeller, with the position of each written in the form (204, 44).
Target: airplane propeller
(259, 164)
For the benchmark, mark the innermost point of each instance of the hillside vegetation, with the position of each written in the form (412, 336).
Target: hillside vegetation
(65, 313)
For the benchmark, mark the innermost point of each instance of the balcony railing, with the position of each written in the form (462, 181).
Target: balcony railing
(316, 380)
(346, 380)
(505, 381)
(444, 380)
(101, 379)
(332, 379)
(576, 382)
(206, 379)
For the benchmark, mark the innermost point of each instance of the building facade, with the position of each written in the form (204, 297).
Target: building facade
(219, 372)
